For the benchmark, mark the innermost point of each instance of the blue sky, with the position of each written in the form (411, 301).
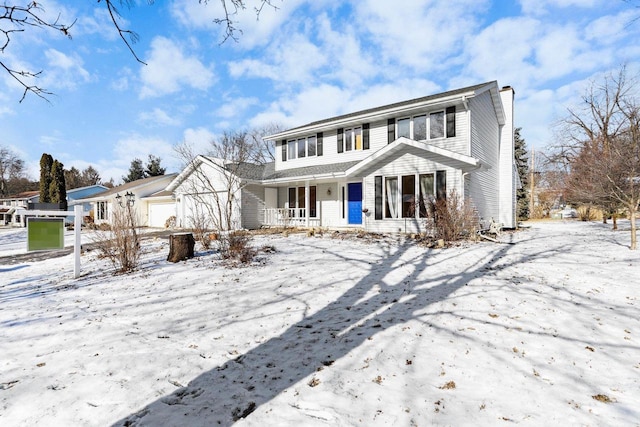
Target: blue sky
(307, 60)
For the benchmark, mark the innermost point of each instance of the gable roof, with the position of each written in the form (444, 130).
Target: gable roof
(406, 145)
(395, 109)
(129, 186)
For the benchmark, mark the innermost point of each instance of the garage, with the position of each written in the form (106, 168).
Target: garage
(160, 212)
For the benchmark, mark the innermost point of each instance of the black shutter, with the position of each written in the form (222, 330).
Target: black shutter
(441, 185)
(340, 140)
(365, 136)
(391, 130)
(451, 122)
(284, 150)
(319, 144)
(378, 197)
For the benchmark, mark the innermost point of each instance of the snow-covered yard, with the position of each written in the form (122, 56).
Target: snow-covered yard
(331, 332)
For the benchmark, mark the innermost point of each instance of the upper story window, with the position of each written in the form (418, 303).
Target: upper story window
(302, 147)
(404, 128)
(355, 138)
(438, 124)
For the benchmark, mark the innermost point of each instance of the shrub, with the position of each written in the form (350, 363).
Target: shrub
(452, 218)
(235, 245)
(120, 242)
(170, 222)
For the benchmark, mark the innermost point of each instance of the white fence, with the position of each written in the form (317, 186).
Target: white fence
(288, 217)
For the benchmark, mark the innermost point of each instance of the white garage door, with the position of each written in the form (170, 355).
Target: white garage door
(160, 212)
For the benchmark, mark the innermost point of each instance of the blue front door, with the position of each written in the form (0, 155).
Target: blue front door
(354, 192)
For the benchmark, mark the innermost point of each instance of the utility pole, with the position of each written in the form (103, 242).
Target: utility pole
(531, 182)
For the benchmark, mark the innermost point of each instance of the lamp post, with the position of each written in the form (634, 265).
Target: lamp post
(129, 199)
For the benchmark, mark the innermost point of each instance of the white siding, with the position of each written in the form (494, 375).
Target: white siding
(252, 206)
(377, 140)
(507, 166)
(483, 183)
(204, 182)
(406, 164)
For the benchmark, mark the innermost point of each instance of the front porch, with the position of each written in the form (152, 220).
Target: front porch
(289, 217)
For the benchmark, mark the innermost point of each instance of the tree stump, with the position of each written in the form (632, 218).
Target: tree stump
(180, 247)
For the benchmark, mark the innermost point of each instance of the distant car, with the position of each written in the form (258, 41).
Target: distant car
(568, 213)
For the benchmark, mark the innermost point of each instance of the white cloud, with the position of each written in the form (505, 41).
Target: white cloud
(64, 71)
(158, 117)
(168, 70)
(323, 101)
(235, 107)
(417, 33)
(294, 60)
(254, 30)
(541, 7)
(99, 22)
(139, 146)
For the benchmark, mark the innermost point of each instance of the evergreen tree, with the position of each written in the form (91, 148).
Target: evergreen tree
(46, 162)
(136, 171)
(72, 178)
(153, 167)
(57, 187)
(522, 165)
(90, 176)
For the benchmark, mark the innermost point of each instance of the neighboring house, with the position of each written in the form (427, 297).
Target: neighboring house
(9, 207)
(369, 169)
(75, 194)
(150, 207)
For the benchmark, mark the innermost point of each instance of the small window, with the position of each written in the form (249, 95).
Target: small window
(391, 196)
(404, 128)
(292, 149)
(427, 192)
(357, 137)
(348, 139)
(436, 125)
(311, 146)
(408, 196)
(302, 147)
(420, 128)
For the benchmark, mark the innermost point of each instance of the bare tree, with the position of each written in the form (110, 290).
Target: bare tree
(16, 17)
(262, 150)
(213, 188)
(120, 244)
(605, 164)
(11, 168)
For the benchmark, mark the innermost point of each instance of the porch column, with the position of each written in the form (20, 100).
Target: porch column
(306, 204)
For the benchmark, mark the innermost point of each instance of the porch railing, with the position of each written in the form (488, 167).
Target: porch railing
(288, 217)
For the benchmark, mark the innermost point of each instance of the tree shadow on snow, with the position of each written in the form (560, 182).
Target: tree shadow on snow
(235, 389)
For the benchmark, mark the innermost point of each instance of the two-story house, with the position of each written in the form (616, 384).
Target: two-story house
(372, 168)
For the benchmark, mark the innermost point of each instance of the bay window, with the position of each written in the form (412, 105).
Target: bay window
(401, 195)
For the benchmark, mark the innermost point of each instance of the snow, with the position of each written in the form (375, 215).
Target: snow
(330, 331)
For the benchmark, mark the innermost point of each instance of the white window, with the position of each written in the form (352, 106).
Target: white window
(302, 147)
(436, 125)
(404, 128)
(292, 149)
(353, 139)
(420, 127)
(102, 211)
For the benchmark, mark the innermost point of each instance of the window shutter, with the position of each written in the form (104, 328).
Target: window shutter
(451, 122)
(441, 185)
(365, 136)
(340, 140)
(378, 197)
(391, 130)
(284, 150)
(319, 144)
